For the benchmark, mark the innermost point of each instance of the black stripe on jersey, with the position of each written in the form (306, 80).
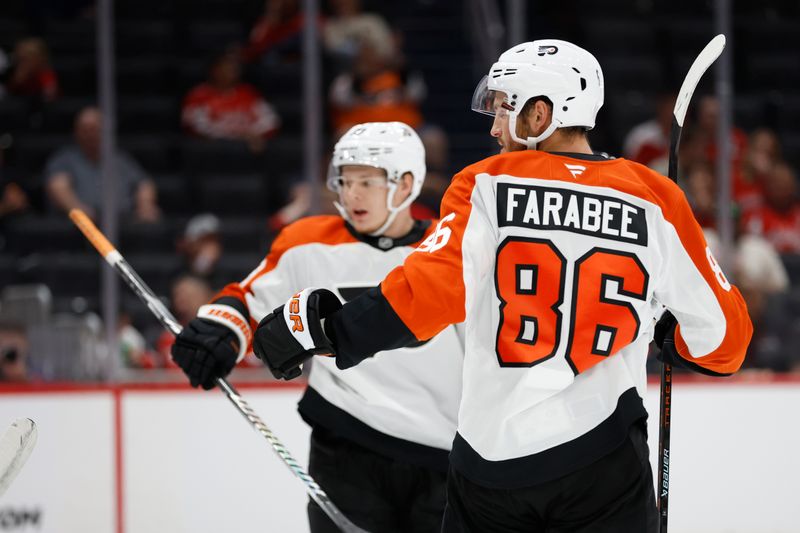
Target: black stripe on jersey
(365, 326)
(236, 304)
(556, 462)
(352, 292)
(319, 412)
(596, 156)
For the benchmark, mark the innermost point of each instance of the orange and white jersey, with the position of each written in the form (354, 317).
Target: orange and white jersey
(559, 265)
(401, 404)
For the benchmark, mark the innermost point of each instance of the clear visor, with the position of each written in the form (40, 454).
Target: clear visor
(363, 180)
(488, 101)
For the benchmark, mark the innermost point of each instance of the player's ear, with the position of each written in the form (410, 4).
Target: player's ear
(406, 182)
(536, 117)
(403, 188)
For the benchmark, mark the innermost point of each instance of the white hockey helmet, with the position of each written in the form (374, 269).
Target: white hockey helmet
(568, 75)
(391, 146)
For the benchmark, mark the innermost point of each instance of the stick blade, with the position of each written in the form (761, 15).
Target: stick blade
(16, 445)
(709, 54)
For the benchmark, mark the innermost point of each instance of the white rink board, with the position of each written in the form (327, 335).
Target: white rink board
(735, 457)
(734, 460)
(67, 484)
(194, 464)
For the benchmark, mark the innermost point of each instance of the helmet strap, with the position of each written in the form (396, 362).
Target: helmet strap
(393, 211)
(530, 142)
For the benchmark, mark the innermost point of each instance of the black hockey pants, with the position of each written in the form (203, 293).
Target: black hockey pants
(375, 492)
(612, 495)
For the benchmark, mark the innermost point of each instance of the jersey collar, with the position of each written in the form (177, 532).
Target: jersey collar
(597, 156)
(387, 243)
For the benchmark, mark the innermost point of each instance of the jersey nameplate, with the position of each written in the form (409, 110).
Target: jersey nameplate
(550, 208)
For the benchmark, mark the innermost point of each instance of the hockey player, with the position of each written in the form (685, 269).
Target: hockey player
(559, 260)
(382, 431)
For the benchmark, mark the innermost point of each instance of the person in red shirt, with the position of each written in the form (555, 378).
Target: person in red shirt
(648, 143)
(778, 220)
(32, 74)
(226, 108)
(763, 153)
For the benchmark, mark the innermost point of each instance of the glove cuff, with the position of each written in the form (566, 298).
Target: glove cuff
(233, 320)
(305, 321)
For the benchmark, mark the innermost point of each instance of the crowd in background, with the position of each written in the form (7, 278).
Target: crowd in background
(236, 185)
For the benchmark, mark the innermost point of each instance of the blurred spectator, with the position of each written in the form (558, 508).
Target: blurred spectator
(226, 108)
(276, 37)
(438, 172)
(778, 220)
(763, 153)
(31, 74)
(201, 248)
(14, 350)
(15, 191)
(756, 267)
(691, 153)
(700, 186)
(300, 196)
(133, 349)
(189, 292)
(73, 178)
(648, 143)
(375, 91)
(707, 120)
(348, 29)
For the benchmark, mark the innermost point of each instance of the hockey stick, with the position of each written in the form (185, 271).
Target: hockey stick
(118, 263)
(15, 446)
(709, 54)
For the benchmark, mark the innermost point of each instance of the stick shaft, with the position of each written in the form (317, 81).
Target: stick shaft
(118, 263)
(707, 56)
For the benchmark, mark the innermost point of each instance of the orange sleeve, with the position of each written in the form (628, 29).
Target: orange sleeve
(714, 328)
(427, 292)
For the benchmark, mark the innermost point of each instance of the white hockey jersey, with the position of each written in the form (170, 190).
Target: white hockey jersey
(559, 266)
(401, 404)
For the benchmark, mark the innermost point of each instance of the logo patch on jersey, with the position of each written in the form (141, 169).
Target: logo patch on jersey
(551, 208)
(576, 170)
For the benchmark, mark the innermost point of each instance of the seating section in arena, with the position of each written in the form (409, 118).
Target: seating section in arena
(163, 48)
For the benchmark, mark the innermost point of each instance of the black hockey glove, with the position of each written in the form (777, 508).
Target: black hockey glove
(664, 337)
(293, 332)
(205, 351)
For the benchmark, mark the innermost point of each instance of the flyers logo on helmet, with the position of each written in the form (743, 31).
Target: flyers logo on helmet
(294, 314)
(549, 50)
